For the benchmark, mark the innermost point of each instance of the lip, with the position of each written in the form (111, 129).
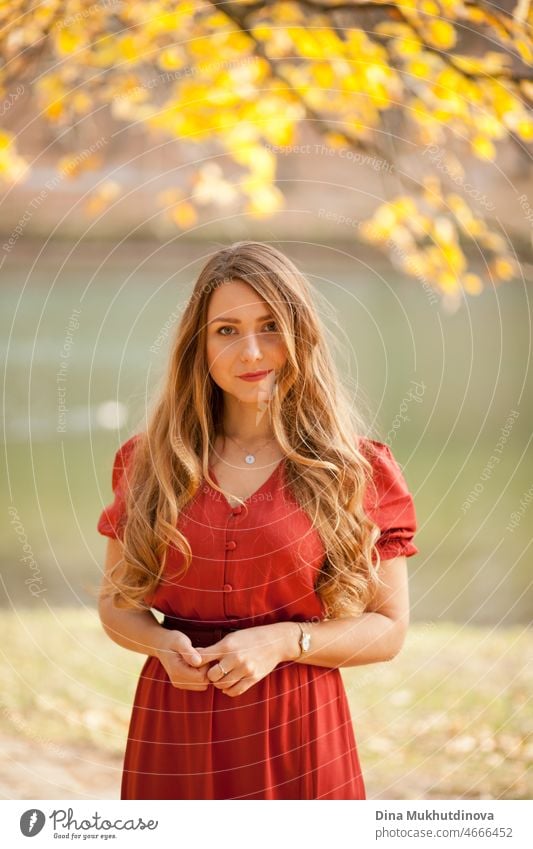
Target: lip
(256, 375)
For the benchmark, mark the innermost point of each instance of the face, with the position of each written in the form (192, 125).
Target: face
(245, 341)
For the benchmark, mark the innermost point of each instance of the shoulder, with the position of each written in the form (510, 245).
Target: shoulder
(378, 454)
(123, 457)
(387, 475)
(389, 502)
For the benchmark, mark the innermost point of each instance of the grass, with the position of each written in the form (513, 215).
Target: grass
(448, 718)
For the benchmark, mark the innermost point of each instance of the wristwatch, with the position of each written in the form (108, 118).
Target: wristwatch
(305, 639)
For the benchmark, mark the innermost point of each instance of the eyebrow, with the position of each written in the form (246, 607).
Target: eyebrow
(238, 321)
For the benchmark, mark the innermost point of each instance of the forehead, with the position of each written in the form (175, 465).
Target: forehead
(236, 298)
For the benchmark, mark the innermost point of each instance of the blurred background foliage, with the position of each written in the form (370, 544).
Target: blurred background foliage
(449, 81)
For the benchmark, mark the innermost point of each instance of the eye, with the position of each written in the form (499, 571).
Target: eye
(227, 327)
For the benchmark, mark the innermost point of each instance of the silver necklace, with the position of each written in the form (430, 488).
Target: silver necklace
(250, 458)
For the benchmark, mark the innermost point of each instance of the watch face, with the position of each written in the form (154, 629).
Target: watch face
(306, 642)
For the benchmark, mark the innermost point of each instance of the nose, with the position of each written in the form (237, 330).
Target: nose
(251, 349)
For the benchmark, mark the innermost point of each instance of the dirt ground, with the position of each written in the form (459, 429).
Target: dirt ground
(29, 770)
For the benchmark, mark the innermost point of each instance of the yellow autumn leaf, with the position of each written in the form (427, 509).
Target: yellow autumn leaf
(502, 268)
(408, 46)
(263, 32)
(262, 163)
(524, 48)
(67, 41)
(373, 232)
(128, 48)
(429, 7)
(104, 54)
(524, 128)
(443, 230)
(472, 13)
(322, 72)
(264, 200)
(12, 166)
(102, 197)
(384, 218)
(184, 215)
(453, 258)
(448, 281)
(392, 28)
(441, 34)
(489, 125)
(54, 110)
(305, 42)
(475, 228)
(419, 68)
(483, 147)
(336, 140)
(472, 283)
(403, 207)
(81, 102)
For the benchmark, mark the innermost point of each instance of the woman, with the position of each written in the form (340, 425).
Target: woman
(271, 535)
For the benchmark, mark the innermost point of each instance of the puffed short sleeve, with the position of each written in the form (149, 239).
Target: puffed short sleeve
(113, 517)
(389, 503)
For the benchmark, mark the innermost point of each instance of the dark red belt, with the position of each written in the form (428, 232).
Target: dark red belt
(200, 633)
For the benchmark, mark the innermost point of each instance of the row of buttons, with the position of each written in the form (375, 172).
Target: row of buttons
(231, 545)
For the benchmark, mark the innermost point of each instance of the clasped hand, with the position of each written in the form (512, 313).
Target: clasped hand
(247, 656)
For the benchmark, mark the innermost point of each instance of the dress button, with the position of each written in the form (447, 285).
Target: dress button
(227, 588)
(231, 544)
(237, 510)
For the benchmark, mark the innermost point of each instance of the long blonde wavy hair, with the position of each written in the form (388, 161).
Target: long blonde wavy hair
(312, 419)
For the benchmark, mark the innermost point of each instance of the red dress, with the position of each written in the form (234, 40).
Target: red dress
(289, 736)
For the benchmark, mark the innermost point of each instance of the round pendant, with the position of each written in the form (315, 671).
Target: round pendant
(250, 458)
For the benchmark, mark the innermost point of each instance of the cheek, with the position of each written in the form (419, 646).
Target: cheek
(279, 353)
(217, 356)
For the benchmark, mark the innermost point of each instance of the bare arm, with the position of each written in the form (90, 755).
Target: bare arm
(376, 635)
(137, 630)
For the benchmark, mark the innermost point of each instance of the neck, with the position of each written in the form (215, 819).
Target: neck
(247, 423)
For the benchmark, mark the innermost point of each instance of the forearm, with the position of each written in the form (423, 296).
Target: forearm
(137, 630)
(353, 641)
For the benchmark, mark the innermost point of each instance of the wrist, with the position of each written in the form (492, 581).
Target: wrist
(164, 642)
(291, 644)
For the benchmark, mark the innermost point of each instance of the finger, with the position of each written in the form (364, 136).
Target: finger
(184, 672)
(239, 688)
(216, 673)
(214, 652)
(192, 657)
(188, 652)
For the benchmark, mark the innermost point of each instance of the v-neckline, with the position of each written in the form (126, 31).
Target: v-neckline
(257, 491)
